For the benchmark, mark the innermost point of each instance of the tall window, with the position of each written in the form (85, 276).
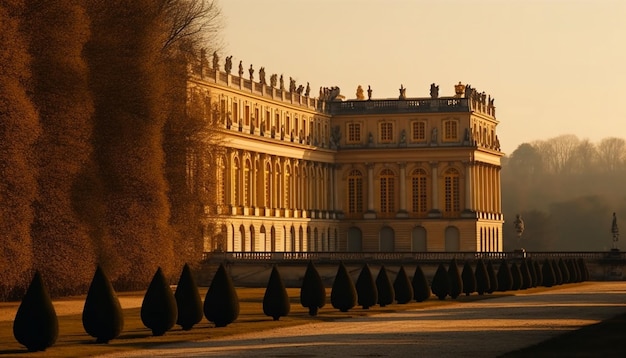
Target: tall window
(418, 131)
(355, 192)
(386, 132)
(235, 112)
(268, 185)
(287, 187)
(354, 132)
(451, 130)
(221, 182)
(418, 190)
(246, 183)
(387, 180)
(236, 176)
(452, 194)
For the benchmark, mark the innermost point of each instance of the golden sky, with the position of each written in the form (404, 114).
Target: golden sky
(553, 67)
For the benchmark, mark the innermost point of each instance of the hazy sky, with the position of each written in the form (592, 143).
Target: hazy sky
(553, 67)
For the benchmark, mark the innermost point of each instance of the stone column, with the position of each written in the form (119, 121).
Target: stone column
(469, 208)
(434, 212)
(402, 213)
(370, 213)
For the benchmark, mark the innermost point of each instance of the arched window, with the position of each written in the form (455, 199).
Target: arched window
(287, 187)
(453, 240)
(450, 131)
(355, 240)
(220, 182)
(252, 239)
(418, 239)
(419, 192)
(237, 182)
(355, 192)
(452, 192)
(246, 183)
(387, 239)
(268, 186)
(242, 238)
(387, 191)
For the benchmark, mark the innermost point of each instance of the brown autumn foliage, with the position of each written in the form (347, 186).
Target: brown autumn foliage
(19, 129)
(128, 86)
(62, 248)
(93, 126)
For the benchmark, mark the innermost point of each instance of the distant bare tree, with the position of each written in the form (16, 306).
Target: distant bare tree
(611, 154)
(584, 159)
(195, 23)
(557, 152)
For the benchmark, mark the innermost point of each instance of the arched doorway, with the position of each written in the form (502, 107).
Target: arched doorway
(252, 239)
(418, 239)
(386, 238)
(292, 239)
(262, 239)
(453, 240)
(355, 240)
(273, 239)
(242, 238)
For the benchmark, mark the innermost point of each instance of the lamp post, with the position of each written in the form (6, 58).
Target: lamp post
(519, 229)
(615, 233)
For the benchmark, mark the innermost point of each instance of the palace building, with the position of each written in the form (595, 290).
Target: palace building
(299, 173)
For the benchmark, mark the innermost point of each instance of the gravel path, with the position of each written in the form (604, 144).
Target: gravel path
(486, 328)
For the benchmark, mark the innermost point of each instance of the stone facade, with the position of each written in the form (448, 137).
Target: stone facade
(328, 174)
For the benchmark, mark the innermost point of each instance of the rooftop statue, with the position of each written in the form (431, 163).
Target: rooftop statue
(434, 91)
(402, 92)
(359, 93)
(229, 64)
(216, 61)
(251, 71)
(459, 89)
(282, 83)
(273, 80)
(308, 90)
(262, 75)
(292, 85)
(240, 69)
(369, 92)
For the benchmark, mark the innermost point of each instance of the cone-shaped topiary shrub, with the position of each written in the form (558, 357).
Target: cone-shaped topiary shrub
(221, 303)
(343, 293)
(533, 274)
(469, 280)
(584, 272)
(517, 277)
(312, 293)
(538, 272)
(276, 300)
(386, 294)
(547, 273)
(421, 289)
(505, 279)
(564, 271)
(456, 284)
(36, 325)
(558, 277)
(188, 300)
(441, 283)
(525, 272)
(402, 287)
(366, 288)
(103, 317)
(482, 277)
(493, 278)
(158, 310)
(573, 270)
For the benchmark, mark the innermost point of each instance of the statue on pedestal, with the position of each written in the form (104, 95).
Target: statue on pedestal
(251, 71)
(216, 61)
(240, 69)
(229, 64)
(434, 91)
(402, 92)
(359, 93)
(307, 91)
(369, 92)
(273, 80)
(262, 75)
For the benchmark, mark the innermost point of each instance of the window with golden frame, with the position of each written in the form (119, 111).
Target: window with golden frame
(354, 133)
(387, 191)
(419, 192)
(355, 192)
(418, 131)
(450, 130)
(452, 192)
(386, 132)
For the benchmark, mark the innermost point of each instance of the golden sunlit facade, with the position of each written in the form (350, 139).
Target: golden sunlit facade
(305, 174)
